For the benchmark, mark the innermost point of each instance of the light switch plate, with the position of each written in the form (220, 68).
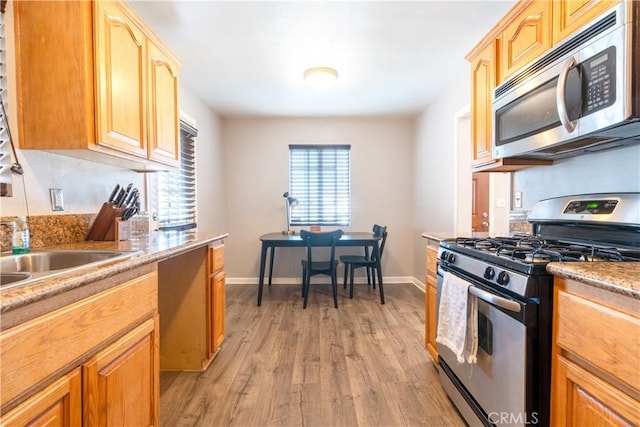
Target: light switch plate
(57, 199)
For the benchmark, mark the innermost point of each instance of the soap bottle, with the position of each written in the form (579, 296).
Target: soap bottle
(20, 243)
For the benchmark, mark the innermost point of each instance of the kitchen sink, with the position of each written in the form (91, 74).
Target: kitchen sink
(8, 278)
(22, 268)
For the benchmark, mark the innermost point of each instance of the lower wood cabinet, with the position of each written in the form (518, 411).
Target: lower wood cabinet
(120, 383)
(596, 357)
(431, 298)
(191, 299)
(59, 404)
(92, 362)
(217, 301)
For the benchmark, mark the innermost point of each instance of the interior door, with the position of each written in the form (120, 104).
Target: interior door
(480, 202)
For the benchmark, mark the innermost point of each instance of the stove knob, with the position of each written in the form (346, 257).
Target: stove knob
(444, 255)
(489, 273)
(503, 278)
(452, 258)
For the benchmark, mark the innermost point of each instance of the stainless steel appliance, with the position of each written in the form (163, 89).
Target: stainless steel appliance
(510, 382)
(580, 96)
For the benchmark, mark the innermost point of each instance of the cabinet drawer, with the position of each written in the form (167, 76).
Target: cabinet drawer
(606, 338)
(432, 258)
(216, 257)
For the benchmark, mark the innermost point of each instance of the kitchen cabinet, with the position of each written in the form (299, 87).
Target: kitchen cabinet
(91, 90)
(431, 298)
(59, 404)
(57, 366)
(122, 377)
(596, 354)
(569, 16)
(525, 37)
(191, 300)
(483, 82)
(216, 302)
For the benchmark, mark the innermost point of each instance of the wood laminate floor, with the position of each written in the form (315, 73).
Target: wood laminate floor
(363, 364)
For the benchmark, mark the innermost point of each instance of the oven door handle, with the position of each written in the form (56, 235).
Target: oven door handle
(495, 300)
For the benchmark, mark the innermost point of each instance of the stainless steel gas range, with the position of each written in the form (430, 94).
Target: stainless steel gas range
(509, 382)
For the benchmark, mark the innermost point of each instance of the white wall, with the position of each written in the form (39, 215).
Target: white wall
(210, 189)
(256, 165)
(434, 165)
(615, 170)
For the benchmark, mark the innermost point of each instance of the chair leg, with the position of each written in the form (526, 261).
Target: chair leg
(304, 278)
(346, 272)
(351, 283)
(369, 279)
(334, 285)
(373, 276)
(305, 290)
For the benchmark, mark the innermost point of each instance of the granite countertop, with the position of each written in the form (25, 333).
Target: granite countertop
(148, 248)
(619, 277)
(436, 235)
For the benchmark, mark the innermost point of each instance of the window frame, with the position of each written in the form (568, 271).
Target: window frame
(317, 173)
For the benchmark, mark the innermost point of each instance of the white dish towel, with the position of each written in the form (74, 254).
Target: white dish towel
(458, 319)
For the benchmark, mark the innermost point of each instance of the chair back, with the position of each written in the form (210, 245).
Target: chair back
(326, 239)
(380, 231)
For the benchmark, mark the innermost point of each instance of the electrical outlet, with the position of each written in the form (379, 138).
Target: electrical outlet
(57, 199)
(517, 200)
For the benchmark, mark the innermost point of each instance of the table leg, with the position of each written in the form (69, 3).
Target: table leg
(273, 249)
(263, 257)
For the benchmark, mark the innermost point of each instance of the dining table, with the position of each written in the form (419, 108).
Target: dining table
(271, 241)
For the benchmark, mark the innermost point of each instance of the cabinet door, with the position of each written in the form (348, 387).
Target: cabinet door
(219, 299)
(164, 136)
(526, 37)
(120, 87)
(432, 317)
(482, 85)
(569, 16)
(121, 382)
(59, 404)
(581, 398)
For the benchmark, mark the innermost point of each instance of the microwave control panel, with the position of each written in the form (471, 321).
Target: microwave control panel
(595, 207)
(598, 81)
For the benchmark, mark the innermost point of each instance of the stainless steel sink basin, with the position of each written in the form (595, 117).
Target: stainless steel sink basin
(8, 278)
(37, 264)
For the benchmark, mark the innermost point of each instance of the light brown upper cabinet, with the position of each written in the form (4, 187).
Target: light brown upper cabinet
(569, 16)
(104, 89)
(526, 37)
(483, 82)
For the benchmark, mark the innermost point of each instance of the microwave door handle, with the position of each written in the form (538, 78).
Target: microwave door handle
(560, 99)
(494, 299)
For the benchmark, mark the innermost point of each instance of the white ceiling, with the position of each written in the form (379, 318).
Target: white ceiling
(246, 58)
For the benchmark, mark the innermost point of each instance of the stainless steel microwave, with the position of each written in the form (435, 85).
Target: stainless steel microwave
(581, 96)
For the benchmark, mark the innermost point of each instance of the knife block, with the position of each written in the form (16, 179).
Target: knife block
(103, 227)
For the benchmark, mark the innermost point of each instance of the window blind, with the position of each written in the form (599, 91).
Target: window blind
(319, 177)
(177, 189)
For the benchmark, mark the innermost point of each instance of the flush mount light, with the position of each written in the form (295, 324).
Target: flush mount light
(320, 77)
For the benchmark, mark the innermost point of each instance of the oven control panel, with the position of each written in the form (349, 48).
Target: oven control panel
(593, 207)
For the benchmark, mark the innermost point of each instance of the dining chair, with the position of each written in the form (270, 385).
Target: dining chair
(352, 262)
(317, 262)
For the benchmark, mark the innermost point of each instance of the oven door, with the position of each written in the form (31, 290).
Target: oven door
(499, 385)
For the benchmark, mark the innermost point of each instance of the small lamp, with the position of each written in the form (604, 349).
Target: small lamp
(289, 202)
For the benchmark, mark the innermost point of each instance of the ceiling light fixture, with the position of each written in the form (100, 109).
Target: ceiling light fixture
(321, 77)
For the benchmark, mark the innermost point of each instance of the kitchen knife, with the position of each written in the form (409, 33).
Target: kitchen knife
(129, 202)
(127, 191)
(120, 198)
(113, 194)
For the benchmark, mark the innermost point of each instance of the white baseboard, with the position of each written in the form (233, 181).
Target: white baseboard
(288, 280)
